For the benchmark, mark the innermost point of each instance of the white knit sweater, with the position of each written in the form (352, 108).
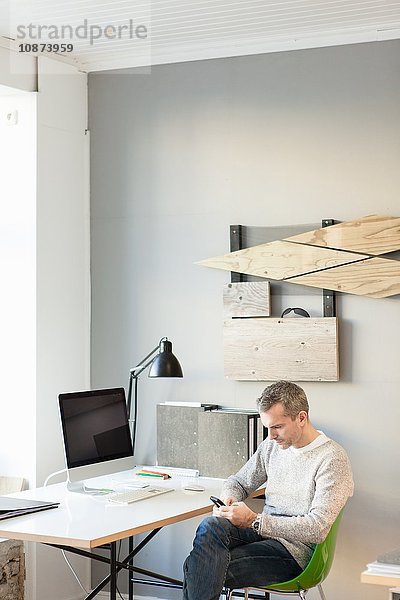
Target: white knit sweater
(306, 488)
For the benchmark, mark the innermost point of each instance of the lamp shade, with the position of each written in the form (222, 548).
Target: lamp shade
(165, 364)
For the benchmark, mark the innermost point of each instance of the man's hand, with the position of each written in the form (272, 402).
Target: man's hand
(229, 500)
(238, 513)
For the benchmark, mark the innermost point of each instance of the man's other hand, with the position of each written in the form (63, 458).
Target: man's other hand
(229, 500)
(238, 513)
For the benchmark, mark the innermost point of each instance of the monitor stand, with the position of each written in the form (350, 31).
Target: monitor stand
(76, 486)
(77, 478)
(79, 487)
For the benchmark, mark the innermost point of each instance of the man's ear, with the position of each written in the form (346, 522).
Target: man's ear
(303, 417)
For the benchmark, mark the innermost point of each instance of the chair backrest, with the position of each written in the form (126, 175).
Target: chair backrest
(319, 565)
(9, 485)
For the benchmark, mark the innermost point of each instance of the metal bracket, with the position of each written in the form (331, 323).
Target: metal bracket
(237, 243)
(328, 296)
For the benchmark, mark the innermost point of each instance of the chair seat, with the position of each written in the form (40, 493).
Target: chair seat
(313, 574)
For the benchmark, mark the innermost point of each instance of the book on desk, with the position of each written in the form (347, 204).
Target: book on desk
(386, 564)
(15, 507)
(378, 568)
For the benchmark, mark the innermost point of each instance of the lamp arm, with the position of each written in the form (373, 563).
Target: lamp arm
(140, 367)
(133, 382)
(133, 377)
(134, 419)
(135, 372)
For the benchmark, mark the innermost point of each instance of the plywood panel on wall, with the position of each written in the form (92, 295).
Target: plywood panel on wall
(374, 277)
(281, 260)
(375, 234)
(247, 299)
(272, 349)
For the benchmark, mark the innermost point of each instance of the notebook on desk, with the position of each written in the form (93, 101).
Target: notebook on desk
(15, 507)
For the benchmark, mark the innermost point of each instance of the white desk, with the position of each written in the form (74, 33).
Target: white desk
(85, 522)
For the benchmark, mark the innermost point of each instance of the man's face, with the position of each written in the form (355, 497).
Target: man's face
(284, 430)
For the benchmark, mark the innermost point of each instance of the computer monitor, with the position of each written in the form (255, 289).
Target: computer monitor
(97, 438)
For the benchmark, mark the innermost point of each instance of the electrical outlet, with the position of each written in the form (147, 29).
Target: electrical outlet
(12, 117)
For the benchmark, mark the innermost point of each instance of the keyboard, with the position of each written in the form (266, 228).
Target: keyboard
(138, 494)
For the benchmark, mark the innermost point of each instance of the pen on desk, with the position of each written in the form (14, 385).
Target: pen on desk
(150, 475)
(158, 473)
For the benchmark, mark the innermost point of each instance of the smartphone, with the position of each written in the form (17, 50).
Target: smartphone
(217, 501)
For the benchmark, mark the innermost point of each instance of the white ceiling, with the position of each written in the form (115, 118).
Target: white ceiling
(179, 31)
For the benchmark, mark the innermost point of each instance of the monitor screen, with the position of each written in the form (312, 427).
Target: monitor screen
(95, 427)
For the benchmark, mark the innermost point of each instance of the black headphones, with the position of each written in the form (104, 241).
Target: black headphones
(297, 311)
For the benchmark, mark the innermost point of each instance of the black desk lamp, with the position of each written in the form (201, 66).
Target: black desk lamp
(164, 364)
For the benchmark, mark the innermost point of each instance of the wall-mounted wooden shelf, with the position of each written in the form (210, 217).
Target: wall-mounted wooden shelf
(268, 349)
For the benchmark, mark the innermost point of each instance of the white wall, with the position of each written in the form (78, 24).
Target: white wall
(63, 275)
(17, 70)
(45, 300)
(18, 284)
(180, 154)
(63, 284)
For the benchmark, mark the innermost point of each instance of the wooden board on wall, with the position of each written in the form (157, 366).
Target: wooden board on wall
(272, 349)
(247, 299)
(375, 234)
(281, 260)
(374, 277)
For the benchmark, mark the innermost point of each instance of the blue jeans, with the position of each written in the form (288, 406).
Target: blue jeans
(227, 555)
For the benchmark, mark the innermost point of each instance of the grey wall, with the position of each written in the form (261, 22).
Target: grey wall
(180, 154)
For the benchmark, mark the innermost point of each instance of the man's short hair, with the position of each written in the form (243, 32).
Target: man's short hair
(290, 395)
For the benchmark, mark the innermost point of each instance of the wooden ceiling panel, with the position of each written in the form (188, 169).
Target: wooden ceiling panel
(177, 31)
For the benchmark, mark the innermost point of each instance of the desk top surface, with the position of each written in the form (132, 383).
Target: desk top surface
(86, 521)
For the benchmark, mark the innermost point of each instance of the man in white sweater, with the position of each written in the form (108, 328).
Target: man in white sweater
(308, 481)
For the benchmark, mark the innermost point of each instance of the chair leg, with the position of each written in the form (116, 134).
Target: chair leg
(321, 592)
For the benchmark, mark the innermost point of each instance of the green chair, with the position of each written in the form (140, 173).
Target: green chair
(314, 573)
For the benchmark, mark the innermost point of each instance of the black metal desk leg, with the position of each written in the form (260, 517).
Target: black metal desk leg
(130, 563)
(113, 571)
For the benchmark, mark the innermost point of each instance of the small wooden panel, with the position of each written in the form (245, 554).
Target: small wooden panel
(375, 234)
(375, 277)
(280, 260)
(380, 579)
(247, 299)
(272, 349)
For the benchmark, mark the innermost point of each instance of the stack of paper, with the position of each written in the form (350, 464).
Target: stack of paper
(378, 568)
(14, 507)
(178, 472)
